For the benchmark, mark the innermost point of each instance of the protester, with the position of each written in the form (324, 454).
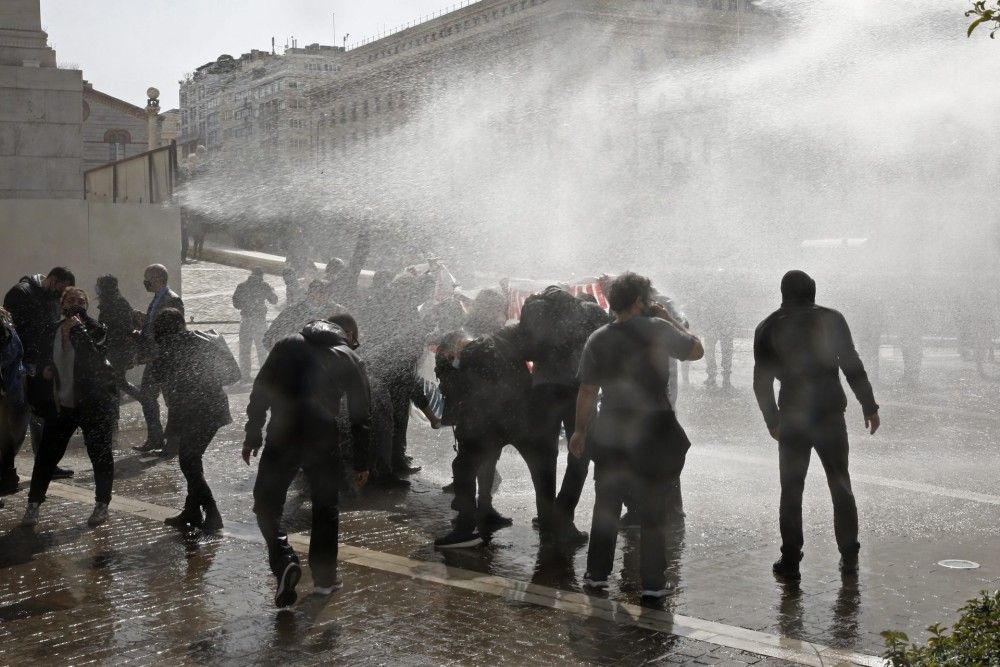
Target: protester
(155, 280)
(83, 396)
(13, 403)
(33, 304)
(191, 369)
(298, 314)
(251, 298)
(301, 384)
(554, 328)
(805, 346)
(119, 320)
(637, 444)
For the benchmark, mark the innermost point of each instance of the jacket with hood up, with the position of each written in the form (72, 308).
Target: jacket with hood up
(33, 309)
(804, 347)
(302, 383)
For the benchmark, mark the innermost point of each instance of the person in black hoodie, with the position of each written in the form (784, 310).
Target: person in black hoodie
(301, 384)
(118, 317)
(33, 304)
(804, 347)
(83, 396)
(191, 369)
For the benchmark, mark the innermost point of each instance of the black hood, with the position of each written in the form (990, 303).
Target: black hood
(797, 287)
(324, 333)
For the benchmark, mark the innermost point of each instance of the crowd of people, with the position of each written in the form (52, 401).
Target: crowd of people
(338, 376)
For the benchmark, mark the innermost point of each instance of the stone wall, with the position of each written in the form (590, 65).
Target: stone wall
(106, 116)
(90, 238)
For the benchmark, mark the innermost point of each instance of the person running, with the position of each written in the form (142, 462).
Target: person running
(636, 442)
(84, 395)
(251, 298)
(191, 369)
(805, 347)
(301, 384)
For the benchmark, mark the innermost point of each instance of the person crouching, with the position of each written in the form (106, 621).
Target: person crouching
(191, 369)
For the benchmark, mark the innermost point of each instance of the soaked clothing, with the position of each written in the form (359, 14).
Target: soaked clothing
(98, 427)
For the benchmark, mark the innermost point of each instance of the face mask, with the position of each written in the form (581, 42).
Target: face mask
(148, 285)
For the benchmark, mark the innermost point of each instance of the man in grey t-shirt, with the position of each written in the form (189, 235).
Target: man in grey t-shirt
(637, 445)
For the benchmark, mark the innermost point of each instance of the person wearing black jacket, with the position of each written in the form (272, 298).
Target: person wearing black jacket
(191, 369)
(83, 396)
(33, 304)
(805, 346)
(118, 317)
(301, 384)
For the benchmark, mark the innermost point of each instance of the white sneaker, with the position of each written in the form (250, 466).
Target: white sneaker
(99, 515)
(655, 593)
(30, 517)
(328, 590)
(596, 584)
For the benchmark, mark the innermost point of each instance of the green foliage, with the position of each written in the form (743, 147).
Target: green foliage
(973, 642)
(985, 11)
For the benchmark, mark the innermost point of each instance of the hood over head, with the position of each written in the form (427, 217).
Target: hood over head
(324, 333)
(798, 287)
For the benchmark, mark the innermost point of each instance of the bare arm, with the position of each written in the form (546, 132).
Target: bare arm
(586, 403)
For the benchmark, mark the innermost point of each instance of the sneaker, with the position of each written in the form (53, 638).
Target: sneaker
(459, 539)
(99, 515)
(285, 596)
(62, 473)
(213, 519)
(30, 517)
(148, 447)
(590, 581)
(319, 589)
(401, 468)
(849, 564)
(786, 568)
(655, 593)
(570, 534)
(492, 520)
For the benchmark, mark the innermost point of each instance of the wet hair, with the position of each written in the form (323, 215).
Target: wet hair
(107, 285)
(346, 322)
(798, 286)
(159, 271)
(63, 275)
(626, 288)
(168, 322)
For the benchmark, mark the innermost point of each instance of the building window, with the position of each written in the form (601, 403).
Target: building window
(117, 140)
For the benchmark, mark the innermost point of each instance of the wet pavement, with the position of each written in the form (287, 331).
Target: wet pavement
(134, 591)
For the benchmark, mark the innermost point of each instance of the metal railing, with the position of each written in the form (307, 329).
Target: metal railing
(410, 24)
(147, 178)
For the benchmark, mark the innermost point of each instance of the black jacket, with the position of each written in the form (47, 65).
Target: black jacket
(146, 343)
(94, 383)
(301, 383)
(191, 369)
(251, 298)
(117, 316)
(804, 347)
(33, 310)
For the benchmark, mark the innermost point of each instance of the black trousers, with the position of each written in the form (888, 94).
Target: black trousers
(638, 456)
(13, 428)
(149, 399)
(321, 464)
(826, 434)
(400, 389)
(98, 427)
(194, 441)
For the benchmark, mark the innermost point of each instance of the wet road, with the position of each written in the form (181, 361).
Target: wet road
(134, 591)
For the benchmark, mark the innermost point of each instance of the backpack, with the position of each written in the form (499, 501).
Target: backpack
(554, 323)
(496, 379)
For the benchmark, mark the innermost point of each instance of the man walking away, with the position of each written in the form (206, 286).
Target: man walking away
(83, 396)
(191, 369)
(155, 280)
(251, 298)
(637, 444)
(118, 318)
(33, 304)
(804, 346)
(302, 383)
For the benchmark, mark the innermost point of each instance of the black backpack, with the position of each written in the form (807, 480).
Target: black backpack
(495, 377)
(553, 323)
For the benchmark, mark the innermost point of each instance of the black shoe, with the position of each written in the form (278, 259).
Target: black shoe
(186, 518)
(390, 481)
(490, 520)
(8, 484)
(448, 488)
(570, 534)
(213, 519)
(167, 453)
(459, 539)
(62, 473)
(285, 596)
(402, 468)
(849, 564)
(786, 568)
(148, 447)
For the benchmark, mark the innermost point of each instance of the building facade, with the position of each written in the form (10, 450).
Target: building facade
(113, 129)
(256, 101)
